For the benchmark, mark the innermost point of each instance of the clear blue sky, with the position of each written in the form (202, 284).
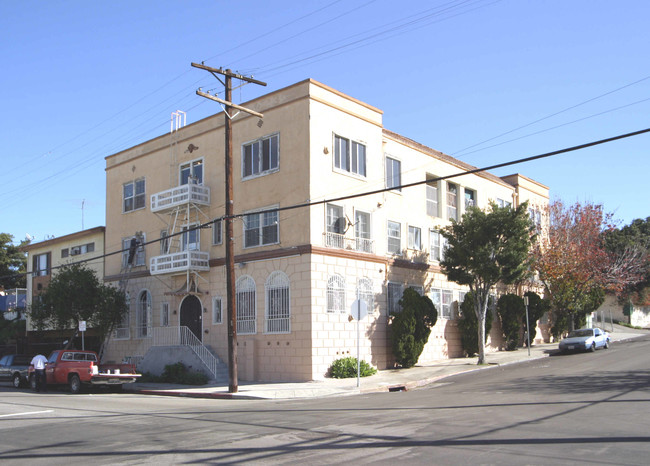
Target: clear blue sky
(82, 80)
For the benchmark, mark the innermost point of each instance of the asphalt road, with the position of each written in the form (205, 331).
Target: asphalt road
(575, 409)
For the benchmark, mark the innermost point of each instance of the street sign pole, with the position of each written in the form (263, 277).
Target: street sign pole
(527, 325)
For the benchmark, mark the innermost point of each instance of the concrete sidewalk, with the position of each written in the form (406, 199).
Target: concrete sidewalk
(383, 381)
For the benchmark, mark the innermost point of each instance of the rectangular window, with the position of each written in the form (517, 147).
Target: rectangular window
(335, 219)
(393, 174)
(394, 295)
(437, 244)
(164, 242)
(432, 199)
(64, 253)
(139, 255)
(349, 156)
(261, 157)
(418, 289)
(394, 237)
(41, 265)
(217, 315)
(443, 300)
(415, 238)
(260, 229)
(503, 203)
(133, 195)
(470, 198)
(452, 201)
(362, 231)
(217, 232)
(191, 172)
(190, 239)
(164, 315)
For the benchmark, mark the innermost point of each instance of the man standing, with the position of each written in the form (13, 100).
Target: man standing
(39, 361)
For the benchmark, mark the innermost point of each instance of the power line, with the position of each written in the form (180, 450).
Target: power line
(366, 193)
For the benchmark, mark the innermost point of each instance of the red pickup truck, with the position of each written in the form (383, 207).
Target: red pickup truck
(77, 368)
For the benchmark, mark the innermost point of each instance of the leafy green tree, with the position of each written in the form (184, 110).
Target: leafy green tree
(468, 325)
(13, 263)
(486, 248)
(75, 294)
(512, 314)
(411, 327)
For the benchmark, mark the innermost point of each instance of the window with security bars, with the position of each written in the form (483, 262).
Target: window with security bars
(336, 294)
(364, 291)
(164, 315)
(245, 304)
(143, 315)
(278, 308)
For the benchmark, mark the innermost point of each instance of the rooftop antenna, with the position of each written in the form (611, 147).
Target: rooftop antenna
(83, 201)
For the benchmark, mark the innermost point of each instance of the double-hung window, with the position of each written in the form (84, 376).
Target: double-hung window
(437, 244)
(394, 235)
(362, 231)
(393, 173)
(261, 228)
(133, 195)
(349, 156)
(394, 291)
(190, 239)
(41, 265)
(443, 300)
(452, 201)
(261, 157)
(432, 199)
(138, 254)
(192, 172)
(415, 238)
(470, 198)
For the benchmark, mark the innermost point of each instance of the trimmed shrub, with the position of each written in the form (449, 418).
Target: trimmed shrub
(345, 368)
(410, 328)
(512, 312)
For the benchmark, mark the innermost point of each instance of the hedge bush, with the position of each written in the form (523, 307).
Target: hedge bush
(347, 367)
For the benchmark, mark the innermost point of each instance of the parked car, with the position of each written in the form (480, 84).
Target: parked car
(13, 368)
(585, 339)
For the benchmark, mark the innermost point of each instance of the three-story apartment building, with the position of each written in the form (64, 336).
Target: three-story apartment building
(298, 270)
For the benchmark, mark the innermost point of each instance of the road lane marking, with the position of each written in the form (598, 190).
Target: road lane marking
(28, 413)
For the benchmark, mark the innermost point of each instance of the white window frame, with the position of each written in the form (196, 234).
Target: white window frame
(277, 307)
(164, 314)
(336, 301)
(452, 201)
(363, 231)
(260, 163)
(443, 300)
(415, 238)
(191, 238)
(217, 310)
(140, 253)
(433, 198)
(194, 169)
(473, 202)
(393, 178)
(257, 221)
(136, 200)
(394, 292)
(246, 305)
(390, 235)
(352, 158)
(437, 244)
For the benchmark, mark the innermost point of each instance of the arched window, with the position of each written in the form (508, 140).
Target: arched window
(364, 290)
(278, 308)
(143, 315)
(246, 316)
(336, 294)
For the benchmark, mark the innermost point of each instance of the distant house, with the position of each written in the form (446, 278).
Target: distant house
(297, 271)
(46, 257)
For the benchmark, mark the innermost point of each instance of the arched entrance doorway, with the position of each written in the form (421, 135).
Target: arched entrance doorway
(192, 315)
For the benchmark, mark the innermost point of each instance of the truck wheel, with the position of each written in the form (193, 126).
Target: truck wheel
(75, 384)
(17, 381)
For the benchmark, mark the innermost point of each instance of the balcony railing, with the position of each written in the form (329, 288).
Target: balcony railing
(339, 241)
(180, 195)
(180, 262)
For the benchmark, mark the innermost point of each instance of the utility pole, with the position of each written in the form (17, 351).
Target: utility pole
(230, 238)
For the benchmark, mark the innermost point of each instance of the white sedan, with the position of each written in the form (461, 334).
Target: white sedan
(585, 339)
